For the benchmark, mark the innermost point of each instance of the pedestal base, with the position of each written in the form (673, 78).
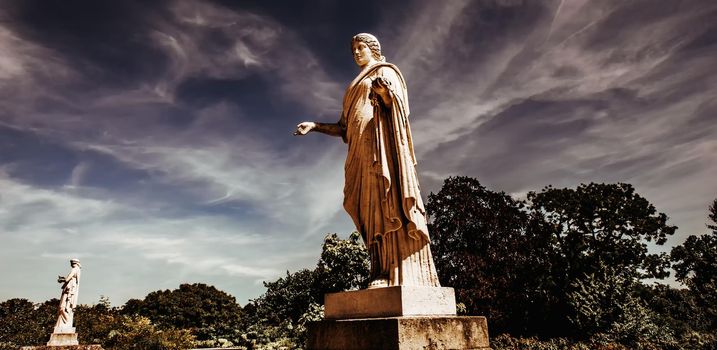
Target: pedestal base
(60, 339)
(63, 347)
(400, 333)
(390, 302)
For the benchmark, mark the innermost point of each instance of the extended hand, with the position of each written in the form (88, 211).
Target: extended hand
(304, 128)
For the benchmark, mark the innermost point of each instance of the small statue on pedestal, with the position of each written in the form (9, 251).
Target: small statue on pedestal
(64, 333)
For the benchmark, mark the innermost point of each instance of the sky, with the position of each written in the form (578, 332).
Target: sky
(153, 140)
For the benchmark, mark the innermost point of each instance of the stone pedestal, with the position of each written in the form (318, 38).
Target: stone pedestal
(63, 347)
(389, 302)
(396, 318)
(400, 333)
(62, 339)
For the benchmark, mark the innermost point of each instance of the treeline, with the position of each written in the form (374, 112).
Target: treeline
(562, 269)
(198, 315)
(570, 265)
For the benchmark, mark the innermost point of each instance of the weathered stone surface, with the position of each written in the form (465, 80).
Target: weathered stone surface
(390, 302)
(400, 333)
(68, 299)
(381, 190)
(61, 339)
(65, 347)
(404, 307)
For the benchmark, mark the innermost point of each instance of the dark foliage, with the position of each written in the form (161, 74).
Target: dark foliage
(95, 322)
(523, 264)
(24, 323)
(288, 297)
(677, 309)
(343, 265)
(491, 251)
(596, 227)
(695, 265)
(713, 216)
(204, 310)
(278, 317)
(606, 224)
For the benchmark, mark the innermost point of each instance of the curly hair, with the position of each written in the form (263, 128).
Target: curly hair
(372, 44)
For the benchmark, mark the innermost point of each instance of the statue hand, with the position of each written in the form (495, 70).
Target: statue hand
(60, 279)
(304, 128)
(381, 85)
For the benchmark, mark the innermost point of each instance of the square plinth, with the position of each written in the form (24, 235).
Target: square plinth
(390, 302)
(400, 333)
(63, 347)
(59, 339)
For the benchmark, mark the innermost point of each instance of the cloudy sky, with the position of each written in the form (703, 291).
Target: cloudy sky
(153, 140)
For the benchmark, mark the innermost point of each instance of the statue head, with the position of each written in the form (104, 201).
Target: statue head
(74, 262)
(372, 44)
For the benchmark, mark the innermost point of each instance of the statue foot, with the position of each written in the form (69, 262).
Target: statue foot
(378, 283)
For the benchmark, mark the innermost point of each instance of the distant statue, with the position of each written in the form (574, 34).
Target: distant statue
(68, 300)
(381, 191)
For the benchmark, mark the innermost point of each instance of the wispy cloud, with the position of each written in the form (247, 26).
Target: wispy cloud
(62, 225)
(572, 91)
(40, 212)
(166, 156)
(236, 188)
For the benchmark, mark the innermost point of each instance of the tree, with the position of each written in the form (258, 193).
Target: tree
(344, 265)
(271, 320)
(607, 307)
(278, 317)
(604, 224)
(288, 297)
(209, 313)
(491, 251)
(138, 333)
(695, 265)
(24, 323)
(518, 262)
(94, 323)
(597, 227)
(679, 312)
(713, 216)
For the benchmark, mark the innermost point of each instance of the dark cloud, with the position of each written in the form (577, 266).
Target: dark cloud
(105, 41)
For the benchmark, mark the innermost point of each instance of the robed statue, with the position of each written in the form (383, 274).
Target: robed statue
(70, 286)
(381, 191)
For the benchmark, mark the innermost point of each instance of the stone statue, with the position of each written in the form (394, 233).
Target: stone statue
(381, 191)
(68, 299)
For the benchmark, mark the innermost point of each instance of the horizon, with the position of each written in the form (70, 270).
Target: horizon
(154, 141)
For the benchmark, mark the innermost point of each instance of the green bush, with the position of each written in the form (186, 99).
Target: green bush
(507, 342)
(138, 333)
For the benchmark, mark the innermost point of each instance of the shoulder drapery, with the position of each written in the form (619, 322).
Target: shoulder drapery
(393, 153)
(72, 282)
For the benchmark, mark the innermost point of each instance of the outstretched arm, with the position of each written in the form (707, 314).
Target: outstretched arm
(333, 129)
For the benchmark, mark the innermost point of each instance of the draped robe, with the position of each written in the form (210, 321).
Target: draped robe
(68, 301)
(381, 191)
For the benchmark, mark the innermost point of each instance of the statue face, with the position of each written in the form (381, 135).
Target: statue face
(362, 53)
